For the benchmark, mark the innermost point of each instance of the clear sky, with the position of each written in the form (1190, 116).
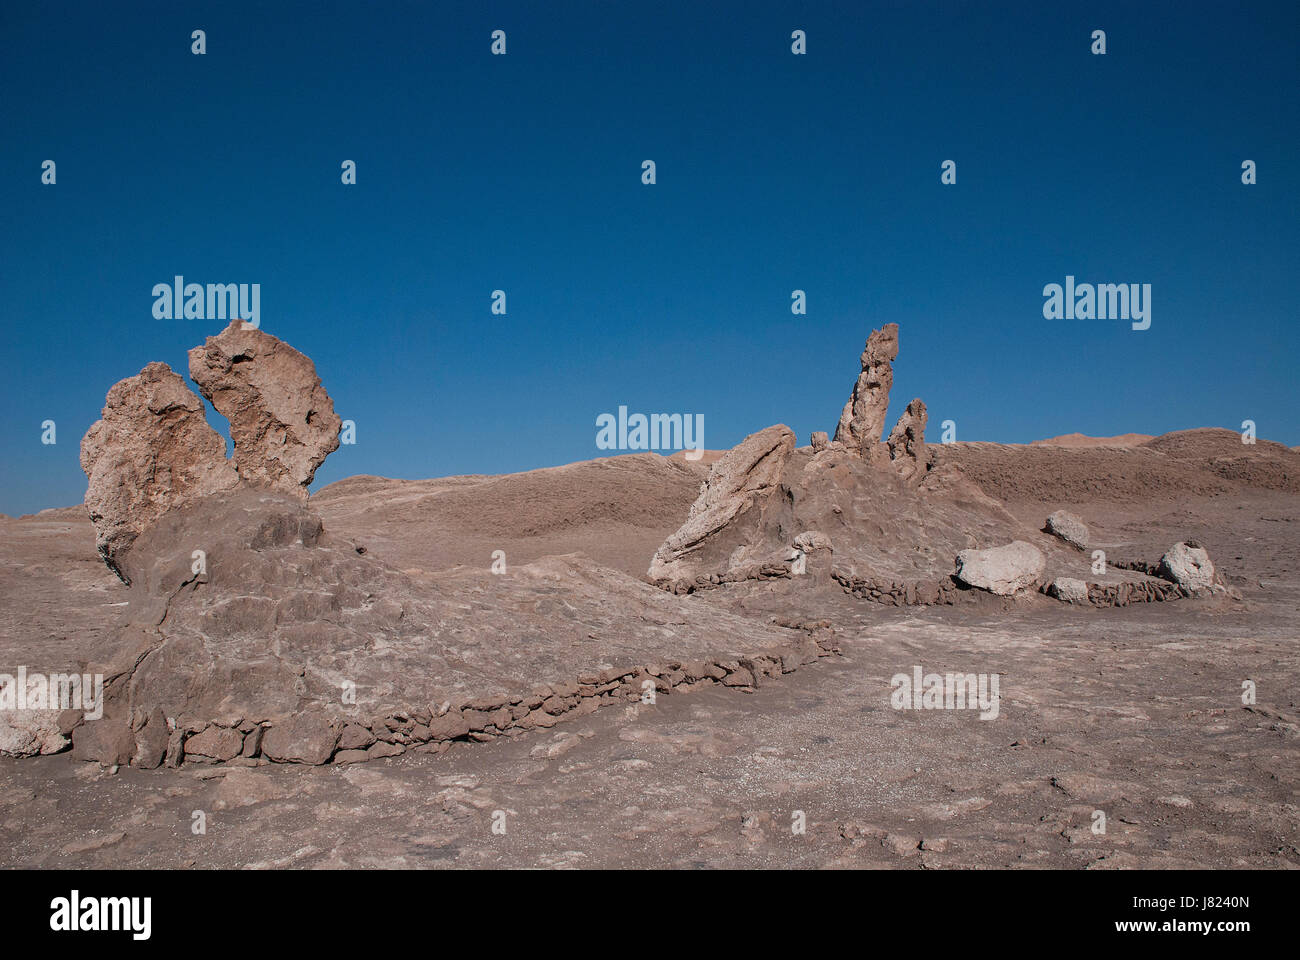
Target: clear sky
(775, 172)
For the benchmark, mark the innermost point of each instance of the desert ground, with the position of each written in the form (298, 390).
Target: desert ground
(1134, 710)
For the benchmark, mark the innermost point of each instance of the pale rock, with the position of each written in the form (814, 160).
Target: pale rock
(1188, 564)
(1069, 590)
(1069, 528)
(1002, 570)
(27, 733)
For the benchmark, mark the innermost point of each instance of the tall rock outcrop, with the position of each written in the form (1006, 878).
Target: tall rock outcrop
(152, 451)
(863, 418)
(282, 422)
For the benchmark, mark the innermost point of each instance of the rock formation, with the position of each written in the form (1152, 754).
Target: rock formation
(282, 422)
(863, 418)
(749, 470)
(1069, 528)
(1002, 570)
(907, 440)
(151, 452)
(770, 511)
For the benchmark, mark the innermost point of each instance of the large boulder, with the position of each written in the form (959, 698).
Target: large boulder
(282, 422)
(1002, 570)
(1188, 564)
(152, 451)
(863, 419)
(1068, 527)
(748, 471)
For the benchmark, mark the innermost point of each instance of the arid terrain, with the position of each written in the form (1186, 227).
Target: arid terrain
(1135, 711)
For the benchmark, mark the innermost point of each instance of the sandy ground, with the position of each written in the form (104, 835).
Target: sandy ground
(1135, 712)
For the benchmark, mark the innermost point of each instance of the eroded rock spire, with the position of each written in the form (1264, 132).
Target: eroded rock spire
(863, 418)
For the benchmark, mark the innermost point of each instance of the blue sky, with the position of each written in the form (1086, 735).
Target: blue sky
(775, 172)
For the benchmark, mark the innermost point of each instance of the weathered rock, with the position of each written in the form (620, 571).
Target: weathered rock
(214, 743)
(813, 554)
(110, 742)
(152, 451)
(863, 419)
(26, 733)
(1069, 528)
(820, 441)
(747, 471)
(253, 742)
(355, 737)
(301, 739)
(907, 439)
(1002, 570)
(811, 540)
(449, 726)
(1188, 564)
(1069, 590)
(151, 741)
(282, 422)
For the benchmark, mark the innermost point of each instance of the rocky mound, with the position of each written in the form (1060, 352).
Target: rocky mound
(616, 510)
(1083, 440)
(1188, 463)
(286, 633)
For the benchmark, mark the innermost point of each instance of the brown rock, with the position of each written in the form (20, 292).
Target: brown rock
(282, 421)
(111, 742)
(253, 742)
(449, 726)
(151, 741)
(151, 451)
(303, 739)
(215, 743)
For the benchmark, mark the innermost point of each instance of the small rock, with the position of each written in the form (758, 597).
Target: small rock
(1069, 590)
(1069, 528)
